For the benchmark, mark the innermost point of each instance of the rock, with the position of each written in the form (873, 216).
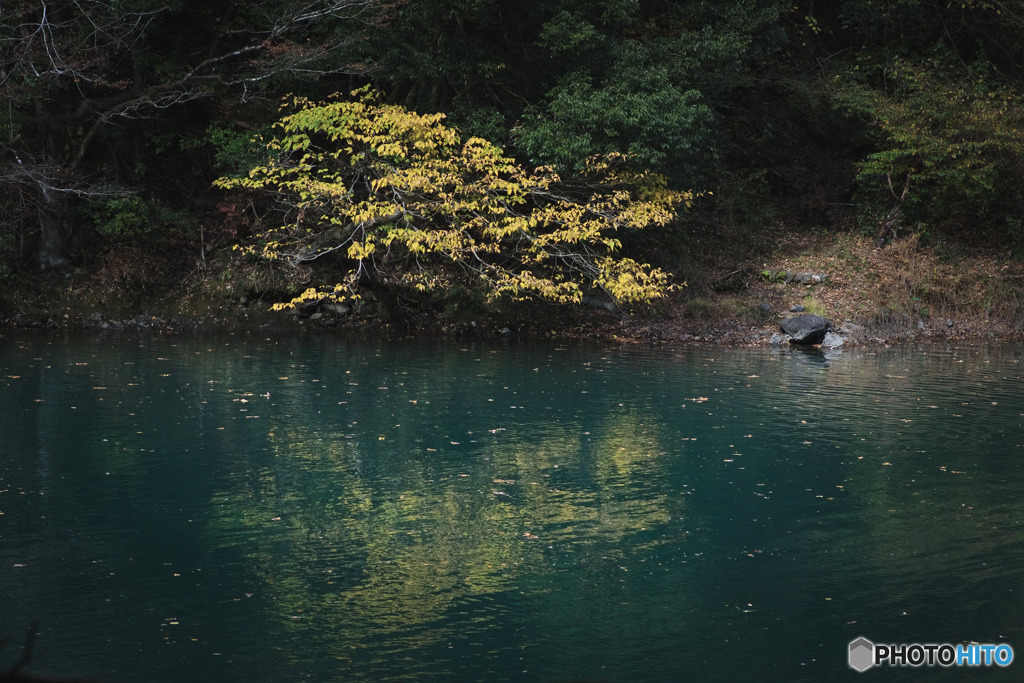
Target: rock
(793, 277)
(778, 339)
(949, 322)
(600, 302)
(832, 341)
(765, 308)
(797, 309)
(335, 308)
(806, 328)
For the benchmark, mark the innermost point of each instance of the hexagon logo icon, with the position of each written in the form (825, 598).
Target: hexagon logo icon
(862, 654)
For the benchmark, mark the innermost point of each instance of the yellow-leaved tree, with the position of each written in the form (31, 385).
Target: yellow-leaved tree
(411, 205)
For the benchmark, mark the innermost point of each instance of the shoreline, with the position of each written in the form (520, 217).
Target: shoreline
(653, 331)
(904, 293)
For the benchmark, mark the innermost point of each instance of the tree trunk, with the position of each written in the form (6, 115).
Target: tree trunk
(887, 231)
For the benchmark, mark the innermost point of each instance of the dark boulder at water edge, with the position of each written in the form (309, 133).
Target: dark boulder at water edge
(806, 329)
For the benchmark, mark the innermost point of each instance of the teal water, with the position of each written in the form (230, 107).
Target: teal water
(253, 509)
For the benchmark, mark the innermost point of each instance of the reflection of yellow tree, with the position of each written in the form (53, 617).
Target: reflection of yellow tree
(353, 559)
(628, 456)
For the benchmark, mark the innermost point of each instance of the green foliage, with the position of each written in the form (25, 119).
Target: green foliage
(650, 81)
(637, 107)
(412, 205)
(965, 31)
(121, 217)
(560, 81)
(235, 151)
(955, 143)
(156, 97)
(133, 216)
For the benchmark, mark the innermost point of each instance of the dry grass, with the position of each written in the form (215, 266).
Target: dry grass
(903, 291)
(896, 290)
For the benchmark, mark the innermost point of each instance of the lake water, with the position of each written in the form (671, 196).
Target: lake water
(242, 508)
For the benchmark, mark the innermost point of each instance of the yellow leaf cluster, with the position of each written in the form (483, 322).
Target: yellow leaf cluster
(400, 193)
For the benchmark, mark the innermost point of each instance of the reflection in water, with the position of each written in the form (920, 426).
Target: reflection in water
(320, 509)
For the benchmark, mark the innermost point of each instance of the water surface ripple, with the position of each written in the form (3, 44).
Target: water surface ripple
(250, 508)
